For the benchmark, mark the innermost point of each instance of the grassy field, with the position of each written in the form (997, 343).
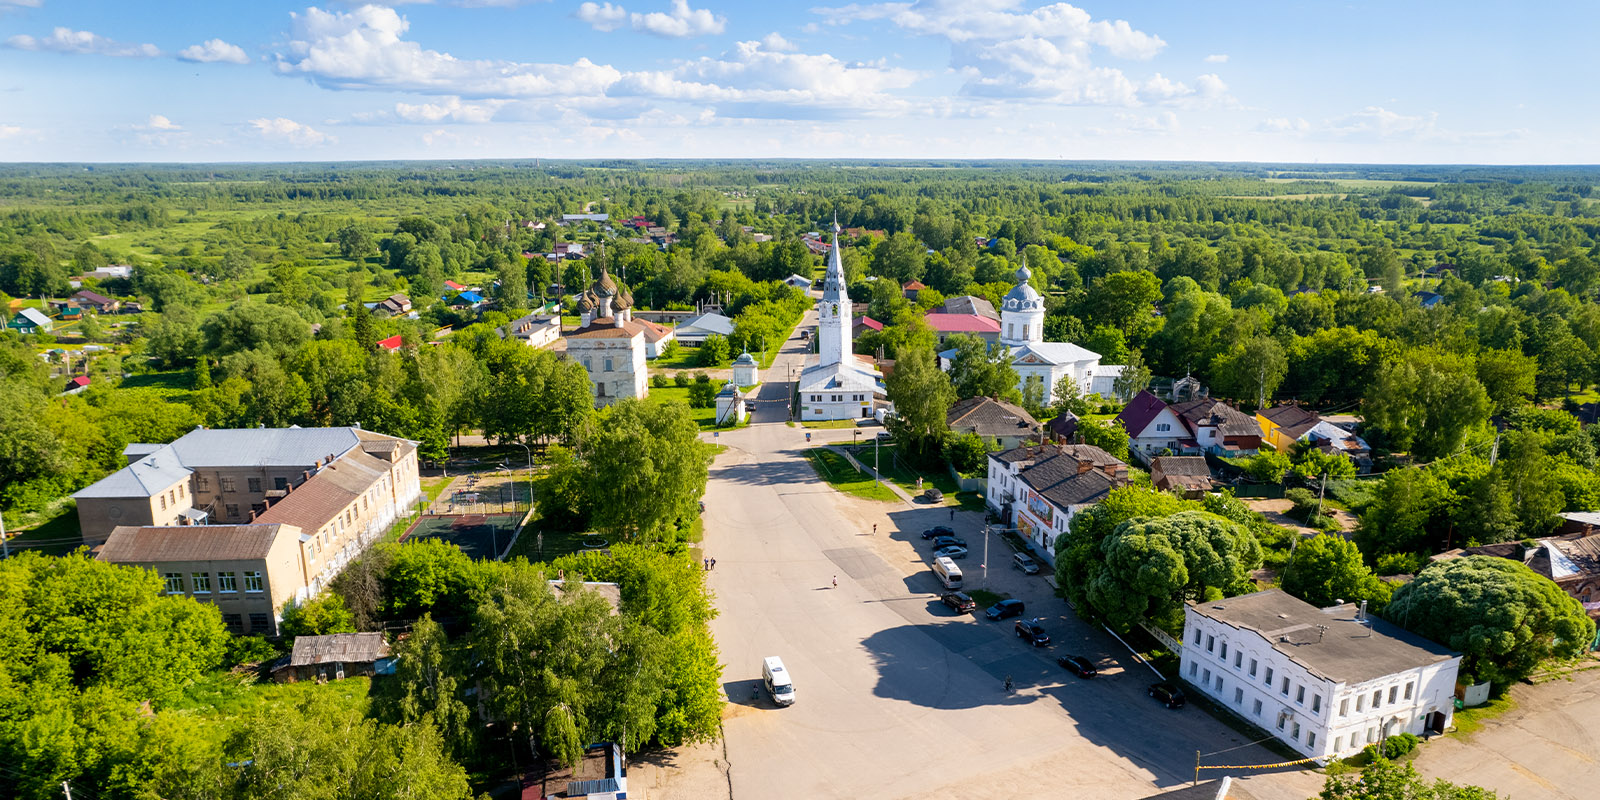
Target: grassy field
(704, 417)
(896, 469)
(837, 472)
(825, 424)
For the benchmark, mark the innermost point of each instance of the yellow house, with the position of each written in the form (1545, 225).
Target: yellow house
(1282, 426)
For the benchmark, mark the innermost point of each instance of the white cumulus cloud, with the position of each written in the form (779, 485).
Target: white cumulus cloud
(67, 40)
(681, 22)
(778, 44)
(450, 109)
(364, 49)
(1217, 58)
(158, 122)
(283, 129)
(212, 51)
(603, 16)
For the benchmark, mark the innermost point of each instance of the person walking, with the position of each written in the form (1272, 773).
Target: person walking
(952, 512)
(1008, 684)
(836, 581)
(705, 564)
(713, 564)
(874, 529)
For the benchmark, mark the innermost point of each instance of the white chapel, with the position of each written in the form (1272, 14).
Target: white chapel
(1039, 361)
(835, 383)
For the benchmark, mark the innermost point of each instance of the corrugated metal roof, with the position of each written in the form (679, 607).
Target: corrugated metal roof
(131, 545)
(1056, 352)
(343, 647)
(152, 473)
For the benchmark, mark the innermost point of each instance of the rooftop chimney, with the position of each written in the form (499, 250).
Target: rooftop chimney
(1361, 614)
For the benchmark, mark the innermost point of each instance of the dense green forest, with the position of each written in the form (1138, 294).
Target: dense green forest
(1453, 309)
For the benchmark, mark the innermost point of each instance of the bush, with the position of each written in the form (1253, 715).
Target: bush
(658, 381)
(713, 352)
(703, 395)
(671, 350)
(1305, 504)
(701, 377)
(250, 650)
(1401, 563)
(682, 379)
(1393, 747)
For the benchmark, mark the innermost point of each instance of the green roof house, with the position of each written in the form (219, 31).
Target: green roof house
(30, 320)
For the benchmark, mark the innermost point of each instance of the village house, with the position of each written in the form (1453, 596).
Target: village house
(1186, 475)
(391, 344)
(946, 325)
(533, 330)
(910, 289)
(254, 518)
(1571, 560)
(1326, 682)
(798, 281)
(968, 304)
(30, 321)
(1040, 488)
(990, 418)
(1284, 425)
(394, 305)
(693, 332)
(96, 302)
(1151, 425)
(863, 324)
(1216, 427)
(333, 658)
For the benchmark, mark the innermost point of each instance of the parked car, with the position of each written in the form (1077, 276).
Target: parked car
(1031, 630)
(958, 601)
(946, 541)
(1005, 608)
(933, 495)
(1078, 665)
(1025, 562)
(1169, 694)
(885, 436)
(937, 530)
(953, 551)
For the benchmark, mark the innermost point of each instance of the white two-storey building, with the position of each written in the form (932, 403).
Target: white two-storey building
(1327, 682)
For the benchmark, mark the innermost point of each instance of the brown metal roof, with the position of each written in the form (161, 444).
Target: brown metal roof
(132, 545)
(987, 416)
(315, 502)
(338, 647)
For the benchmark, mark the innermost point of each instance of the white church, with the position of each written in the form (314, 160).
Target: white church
(1039, 361)
(837, 384)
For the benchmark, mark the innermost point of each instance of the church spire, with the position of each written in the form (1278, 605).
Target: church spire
(833, 283)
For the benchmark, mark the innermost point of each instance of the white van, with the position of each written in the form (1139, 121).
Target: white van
(949, 574)
(777, 680)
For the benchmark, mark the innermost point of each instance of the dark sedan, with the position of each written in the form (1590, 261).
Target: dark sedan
(1031, 630)
(1169, 694)
(937, 531)
(958, 601)
(1004, 609)
(1078, 665)
(946, 541)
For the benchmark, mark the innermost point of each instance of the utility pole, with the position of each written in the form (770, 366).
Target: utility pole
(1321, 492)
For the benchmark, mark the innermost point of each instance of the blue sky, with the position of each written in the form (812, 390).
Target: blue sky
(1290, 80)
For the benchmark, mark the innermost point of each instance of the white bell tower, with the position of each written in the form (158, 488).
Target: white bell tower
(833, 311)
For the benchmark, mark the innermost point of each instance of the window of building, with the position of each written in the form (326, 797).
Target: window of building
(163, 502)
(1238, 696)
(1372, 735)
(174, 581)
(1219, 685)
(1024, 331)
(1211, 642)
(227, 582)
(1224, 652)
(252, 582)
(1316, 704)
(231, 510)
(1361, 703)
(1256, 709)
(1163, 427)
(1283, 721)
(1238, 658)
(1338, 743)
(172, 496)
(180, 492)
(1193, 667)
(1294, 730)
(226, 484)
(280, 483)
(1011, 330)
(1205, 676)
(608, 365)
(233, 622)
(1377, 698)
(253, 485)
(1252, 668)
(1393, 691)
(1196, 635)
(1300, 695)
(1311, 738)
(1408, 690)
(202, 582)
(1344, 707)
(1284, 690)
(259, 623)
(1268, 680)
(202, 484)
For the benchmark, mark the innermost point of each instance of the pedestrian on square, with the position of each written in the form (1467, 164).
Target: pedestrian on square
(713, 564)
(705, 564)
(836, 581)
(874, 529)
(952, 512)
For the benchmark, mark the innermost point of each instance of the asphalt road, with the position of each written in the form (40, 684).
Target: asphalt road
(896, 695)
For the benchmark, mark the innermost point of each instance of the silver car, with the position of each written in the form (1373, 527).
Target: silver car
(953, 551)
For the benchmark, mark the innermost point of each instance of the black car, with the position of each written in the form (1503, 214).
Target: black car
(1077, 665)
(1004, 608)
(958, 601)
(1169, 694)
(946, 541)
(933, 495)
(1031, 630)
(937, 531)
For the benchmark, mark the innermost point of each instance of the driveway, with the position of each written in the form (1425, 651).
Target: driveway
(1546, 748)
(897, 695)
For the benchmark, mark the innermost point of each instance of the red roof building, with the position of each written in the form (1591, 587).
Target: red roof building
(391, 344)
(453, 286)
(946, 324)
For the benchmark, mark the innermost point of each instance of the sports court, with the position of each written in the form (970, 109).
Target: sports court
(478, 535)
